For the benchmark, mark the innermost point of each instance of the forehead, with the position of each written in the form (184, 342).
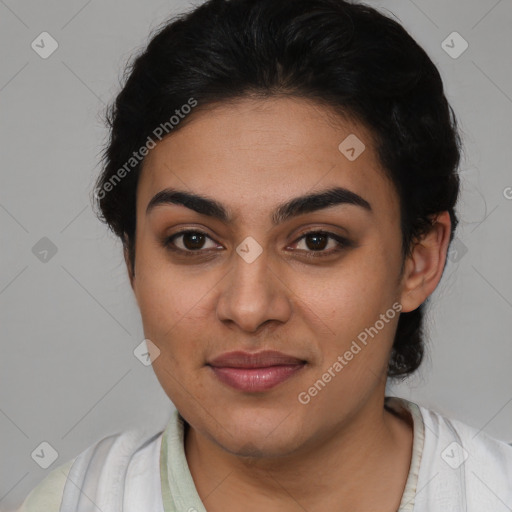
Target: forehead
(253, 154)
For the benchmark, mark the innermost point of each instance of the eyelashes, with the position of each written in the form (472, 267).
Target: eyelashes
(341, 243)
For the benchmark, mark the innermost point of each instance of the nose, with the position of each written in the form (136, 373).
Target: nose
(253, 293)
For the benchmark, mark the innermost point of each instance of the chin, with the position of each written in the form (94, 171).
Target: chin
(258, 446)
(270, 433)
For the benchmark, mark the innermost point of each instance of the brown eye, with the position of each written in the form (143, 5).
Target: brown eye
(191, 241)
(318, 241)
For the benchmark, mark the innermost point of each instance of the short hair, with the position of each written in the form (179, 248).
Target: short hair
(347, 56)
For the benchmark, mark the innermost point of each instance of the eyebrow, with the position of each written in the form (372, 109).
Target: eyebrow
(292, 208)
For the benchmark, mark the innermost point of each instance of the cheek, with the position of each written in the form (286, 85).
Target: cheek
(174, 304)
(351, 294)
(350, 301)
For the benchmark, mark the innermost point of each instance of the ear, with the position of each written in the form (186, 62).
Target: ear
(424, 267)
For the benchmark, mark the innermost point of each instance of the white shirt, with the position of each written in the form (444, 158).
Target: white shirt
(454, 467)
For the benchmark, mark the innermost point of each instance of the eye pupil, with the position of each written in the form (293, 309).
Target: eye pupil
(196, 238)
(315, 245)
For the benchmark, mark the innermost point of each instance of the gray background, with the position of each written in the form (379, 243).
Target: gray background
(70, 323)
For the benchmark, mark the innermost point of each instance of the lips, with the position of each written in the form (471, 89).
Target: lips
(262, 359)
(255, 372)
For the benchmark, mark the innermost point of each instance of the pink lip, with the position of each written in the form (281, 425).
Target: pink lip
(255, 372)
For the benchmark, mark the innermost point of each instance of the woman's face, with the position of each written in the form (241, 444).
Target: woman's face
(252, 282)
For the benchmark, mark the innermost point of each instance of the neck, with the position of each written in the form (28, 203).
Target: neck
(363, 465)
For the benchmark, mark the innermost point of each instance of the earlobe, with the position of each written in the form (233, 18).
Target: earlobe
(424, 267)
